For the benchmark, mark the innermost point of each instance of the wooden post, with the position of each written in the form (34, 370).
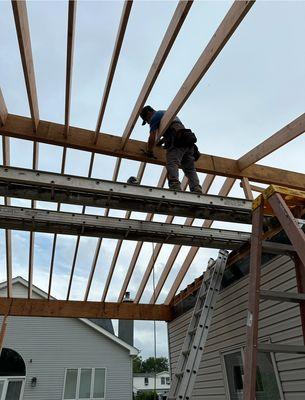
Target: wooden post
(253, 304)
(3, 331)
(300, 275)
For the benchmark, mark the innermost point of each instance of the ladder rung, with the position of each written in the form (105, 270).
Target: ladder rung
(280, 348)
(192, 332)
(198, 312)
(277, 248)
(282, 296)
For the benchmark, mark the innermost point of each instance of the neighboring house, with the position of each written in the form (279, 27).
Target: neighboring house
(144, 382)
(220, 376)
(62, 358)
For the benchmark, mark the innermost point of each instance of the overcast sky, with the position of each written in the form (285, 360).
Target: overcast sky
(254, 88)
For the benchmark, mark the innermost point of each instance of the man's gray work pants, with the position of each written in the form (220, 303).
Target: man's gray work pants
(184, 157)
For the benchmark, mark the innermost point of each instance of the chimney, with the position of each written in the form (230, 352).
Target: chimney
(126, 327)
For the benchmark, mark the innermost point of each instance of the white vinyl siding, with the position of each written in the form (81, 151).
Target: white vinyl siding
(49, 346)
(279, 322)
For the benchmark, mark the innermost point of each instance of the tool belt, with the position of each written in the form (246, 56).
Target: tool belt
(184, 138)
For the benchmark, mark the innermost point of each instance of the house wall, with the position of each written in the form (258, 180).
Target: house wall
(278, 321)
(139, 384)
(50, 345)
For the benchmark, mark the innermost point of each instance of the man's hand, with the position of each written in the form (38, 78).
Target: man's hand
(149, 153)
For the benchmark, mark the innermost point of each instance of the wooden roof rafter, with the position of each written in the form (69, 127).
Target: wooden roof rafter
(111, 72)
(168, 40)
(7, 200)
(25, 48)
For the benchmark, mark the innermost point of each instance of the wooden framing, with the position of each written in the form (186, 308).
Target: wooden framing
(66, 136)
(83, 309)
(23, 34)
(81, 139)
(223, 33)
(3, 109)
(274, 142)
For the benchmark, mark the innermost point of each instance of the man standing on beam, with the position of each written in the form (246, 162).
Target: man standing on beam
(180, 147)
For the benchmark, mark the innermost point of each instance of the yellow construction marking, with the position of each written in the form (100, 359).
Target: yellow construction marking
(292, 197)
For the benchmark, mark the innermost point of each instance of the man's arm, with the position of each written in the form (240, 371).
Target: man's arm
(151, 141)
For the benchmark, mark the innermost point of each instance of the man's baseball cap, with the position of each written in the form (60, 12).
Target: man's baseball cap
(144, 112)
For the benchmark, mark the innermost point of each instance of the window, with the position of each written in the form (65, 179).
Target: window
(85, 383)
(266, 384)
(167, 380)
(162, 381)
(146, 381)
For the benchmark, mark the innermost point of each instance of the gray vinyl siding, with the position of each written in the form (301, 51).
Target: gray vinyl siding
(279, 322)
(50, 345)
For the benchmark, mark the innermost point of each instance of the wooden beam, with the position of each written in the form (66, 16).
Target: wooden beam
(3, 109)
(247, 189)
(69, 63)
(224, 191)
(223, 33)
(32, 234)
(8, 233)
(274, 142)
(176, 249)
(255, 188)
(155, 254)
(168, 40)
(139, 246)
(120, 242)
(82, 139)
(23, 34)
(114, 60)
(83, 309)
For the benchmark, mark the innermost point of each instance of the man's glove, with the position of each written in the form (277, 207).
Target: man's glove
(149, 154)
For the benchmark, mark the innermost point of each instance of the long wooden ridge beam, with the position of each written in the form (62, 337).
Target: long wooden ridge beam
(47, 186)
(83, 309)
(27, 219)
(82, 139)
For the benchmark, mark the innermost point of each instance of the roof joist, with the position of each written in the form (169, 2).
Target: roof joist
(23, 34)
(223, 33)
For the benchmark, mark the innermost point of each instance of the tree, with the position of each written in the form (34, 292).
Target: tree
(155, 365)
(137, 364)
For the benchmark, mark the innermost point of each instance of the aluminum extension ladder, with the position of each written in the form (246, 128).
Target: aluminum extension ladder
(188, 363)
(287, 206)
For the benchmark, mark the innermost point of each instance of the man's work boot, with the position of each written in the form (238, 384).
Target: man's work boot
(197, 189)
(174, 186)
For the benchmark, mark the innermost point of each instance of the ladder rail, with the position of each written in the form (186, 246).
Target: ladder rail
(184, 378)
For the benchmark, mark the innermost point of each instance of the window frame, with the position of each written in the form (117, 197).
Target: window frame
(8, 379)
(91, 383)
(241, 349)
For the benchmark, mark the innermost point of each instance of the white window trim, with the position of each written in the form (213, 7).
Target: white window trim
(78, 382)
(8, 379)
(235, 349)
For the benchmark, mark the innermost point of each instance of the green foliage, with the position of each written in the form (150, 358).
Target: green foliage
(137, 364)
(146, 396)
(150, 365)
